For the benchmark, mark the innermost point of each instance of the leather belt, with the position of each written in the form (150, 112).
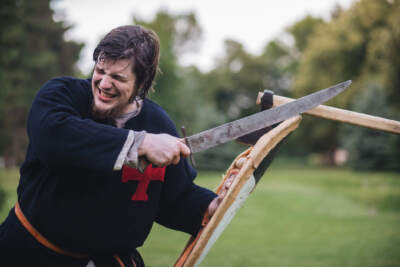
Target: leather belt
(45, 242)
(41, 239)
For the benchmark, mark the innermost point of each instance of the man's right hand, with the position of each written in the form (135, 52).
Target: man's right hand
(163, 149)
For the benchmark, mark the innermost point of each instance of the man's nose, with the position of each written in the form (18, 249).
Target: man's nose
(105, 83)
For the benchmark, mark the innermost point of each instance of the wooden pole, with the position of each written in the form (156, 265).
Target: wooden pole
(342, 115)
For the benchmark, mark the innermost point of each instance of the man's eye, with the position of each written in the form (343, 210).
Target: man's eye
(118, 78)
(100, 71)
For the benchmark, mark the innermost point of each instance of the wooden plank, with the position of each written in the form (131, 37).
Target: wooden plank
(342, 115)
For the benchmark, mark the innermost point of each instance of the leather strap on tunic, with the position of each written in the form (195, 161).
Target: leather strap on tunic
(41, 239)
(48, 244)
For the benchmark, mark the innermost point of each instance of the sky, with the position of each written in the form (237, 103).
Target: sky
(251, 22)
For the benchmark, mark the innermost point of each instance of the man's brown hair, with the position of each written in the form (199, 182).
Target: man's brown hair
(137, 43)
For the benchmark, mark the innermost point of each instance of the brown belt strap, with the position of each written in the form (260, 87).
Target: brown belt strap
(120, 262)
(41, 239)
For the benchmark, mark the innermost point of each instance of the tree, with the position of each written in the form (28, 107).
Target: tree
(302, 30)
(239, 76)
(372, 149)
(181, 90)
(178, 34)
(33, 51)
(360, 44)
(231, 87)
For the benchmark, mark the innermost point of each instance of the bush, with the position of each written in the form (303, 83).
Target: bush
(372, 149)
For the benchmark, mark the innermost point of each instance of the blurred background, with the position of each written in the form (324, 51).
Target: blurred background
(215, 57)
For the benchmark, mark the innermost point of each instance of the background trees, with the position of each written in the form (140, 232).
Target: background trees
(178, 34)
(33, 51)
(360, 43)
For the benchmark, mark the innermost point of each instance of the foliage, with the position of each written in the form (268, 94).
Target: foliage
(181, 91)
(360, 44)
(371, 149)
(33, 51)
(177, 35)
(239, 76)
(232, 87)
(302, 30)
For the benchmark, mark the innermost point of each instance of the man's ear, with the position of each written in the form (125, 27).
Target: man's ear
(138, 89)
(136, 92)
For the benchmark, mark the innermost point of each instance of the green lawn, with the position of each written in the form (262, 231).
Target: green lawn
(8, 184)
(295, 217)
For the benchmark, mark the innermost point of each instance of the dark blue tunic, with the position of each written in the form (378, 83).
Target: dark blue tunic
(69, 191)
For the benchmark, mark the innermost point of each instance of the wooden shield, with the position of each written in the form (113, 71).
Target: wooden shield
(243, 174)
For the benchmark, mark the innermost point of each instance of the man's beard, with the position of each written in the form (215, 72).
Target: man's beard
(107, 115)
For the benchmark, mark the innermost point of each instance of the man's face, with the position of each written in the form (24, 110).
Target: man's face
(113, 86)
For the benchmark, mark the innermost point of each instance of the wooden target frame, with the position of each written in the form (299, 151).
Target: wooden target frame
(245, 171)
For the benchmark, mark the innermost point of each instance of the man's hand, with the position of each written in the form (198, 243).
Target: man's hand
(214, 204)
(163, 149)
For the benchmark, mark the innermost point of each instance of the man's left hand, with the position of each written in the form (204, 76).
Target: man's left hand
(214, 204)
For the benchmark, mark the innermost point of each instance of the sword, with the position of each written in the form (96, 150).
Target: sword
(235, 129)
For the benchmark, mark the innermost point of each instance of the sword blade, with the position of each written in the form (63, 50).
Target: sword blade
(232, 130)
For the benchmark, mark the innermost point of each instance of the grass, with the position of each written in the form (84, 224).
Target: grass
(8, 185)
(295, 217)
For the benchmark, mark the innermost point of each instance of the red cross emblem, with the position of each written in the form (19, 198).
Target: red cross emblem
(150, 174)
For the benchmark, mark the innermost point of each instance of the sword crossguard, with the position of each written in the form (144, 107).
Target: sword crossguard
(187, 143)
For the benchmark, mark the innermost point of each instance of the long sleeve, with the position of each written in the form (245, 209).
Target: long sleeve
(184, 211)
(187, 212)
(61, 134)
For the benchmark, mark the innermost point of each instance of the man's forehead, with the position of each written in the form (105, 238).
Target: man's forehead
(117, 65)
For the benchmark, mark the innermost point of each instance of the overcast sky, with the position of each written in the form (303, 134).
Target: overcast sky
(251, 22)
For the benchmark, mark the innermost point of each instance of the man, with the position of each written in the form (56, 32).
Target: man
(87, 194)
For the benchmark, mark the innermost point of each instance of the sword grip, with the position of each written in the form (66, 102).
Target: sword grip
(187, 143)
